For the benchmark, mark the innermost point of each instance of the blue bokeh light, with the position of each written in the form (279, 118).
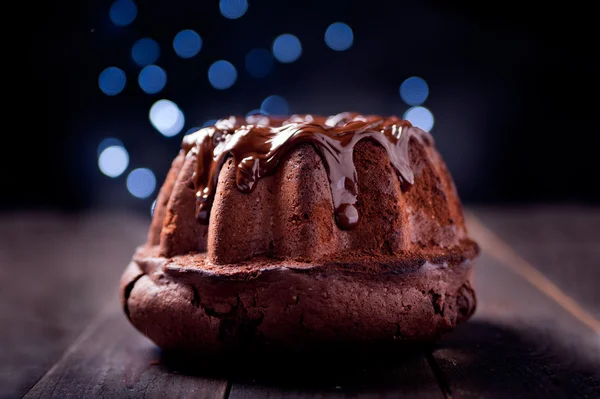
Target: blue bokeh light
(233, 9)
(108, 142)
(141, 182)
(414, 91)
(275, 105)
(191, 130)
(152, 79)
(166, 117)
(113, 160)
(254, 112)
(145, 51)
(123, 12)
(210, 122)
(259, 62)
(287, 48)
(222, 75)
(112, 81)
(187, 43)
(339, 36)
(420, 117)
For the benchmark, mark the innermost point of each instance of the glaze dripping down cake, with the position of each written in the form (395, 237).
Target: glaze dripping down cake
(303, 231)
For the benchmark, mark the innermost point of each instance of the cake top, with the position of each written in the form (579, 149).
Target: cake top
(258, 143)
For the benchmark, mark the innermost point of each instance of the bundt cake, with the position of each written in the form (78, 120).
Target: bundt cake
(299, 232)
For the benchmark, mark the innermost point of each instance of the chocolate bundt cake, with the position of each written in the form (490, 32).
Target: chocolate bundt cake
(299, 232)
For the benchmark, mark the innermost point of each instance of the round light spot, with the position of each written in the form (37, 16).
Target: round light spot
(254, 112)
(141, 182)
(414, 91)
(274, 105)
(259, 62)
(287, 48)
(222, 75)
(210, 122)
(420, 117)
(187, 43)
(152, 79)
(233, 9)
(112, 81)
(113, 160)
(145, 51)
(123, 12)
(108, 142)
(191, 130)
(166, 117)
(339, 36)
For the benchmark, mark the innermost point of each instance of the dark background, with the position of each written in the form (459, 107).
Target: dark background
(513, 89)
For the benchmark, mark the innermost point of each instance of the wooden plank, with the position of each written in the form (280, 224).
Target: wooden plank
(521, 343)
(409, 377)
(56, 273)
(113, 360)
(525, 341)
(501, 251)
(562, 242)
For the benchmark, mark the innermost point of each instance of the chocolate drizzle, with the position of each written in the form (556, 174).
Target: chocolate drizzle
(259, 142)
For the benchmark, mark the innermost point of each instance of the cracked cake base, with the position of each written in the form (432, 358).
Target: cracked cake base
(185, 304)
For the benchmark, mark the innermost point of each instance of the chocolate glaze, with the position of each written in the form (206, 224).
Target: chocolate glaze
(258, 143)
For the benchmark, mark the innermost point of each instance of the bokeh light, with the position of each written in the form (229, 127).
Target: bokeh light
(222, 75)
(107, 142)
(339, 36)
(145, 51)
(113, 160)
(254, 112)
(141, 182)
(187, 43)
(191, 130)
(166, 117)
(209, 122)
(414, 91)
(123, 12)
(259, 62)
(112, 81)
(287, 48)
(152, 79)
(233, 9)
(420, 117)
(274, 105)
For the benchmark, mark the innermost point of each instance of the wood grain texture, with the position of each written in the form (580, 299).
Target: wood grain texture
(409, 377)
(562, 242)
(520, 343)
(112, 360)
(503, 253)
(484, 359)
(56, 273)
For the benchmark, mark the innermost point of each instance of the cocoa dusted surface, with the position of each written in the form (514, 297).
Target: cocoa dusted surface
(352, 262)
(258, 143)
(290, 214)
(274, 269)
(182, 307)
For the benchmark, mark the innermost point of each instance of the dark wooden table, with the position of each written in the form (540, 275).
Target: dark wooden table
(536, 332)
